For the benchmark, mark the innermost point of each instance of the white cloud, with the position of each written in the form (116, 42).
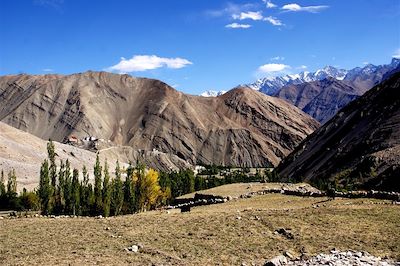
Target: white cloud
(238, 26)
(302, 67)
(229, 9)
(365, 63)
(297, 8)
(272, 68)
(248, 15)
(278, 58)
(47, 70)
(148, 62)
(397, 54)
(269, 4)
(274, 21)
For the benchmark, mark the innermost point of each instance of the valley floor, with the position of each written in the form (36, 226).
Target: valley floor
(236, 232)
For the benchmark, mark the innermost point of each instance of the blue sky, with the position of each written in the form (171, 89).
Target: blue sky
(196, 45)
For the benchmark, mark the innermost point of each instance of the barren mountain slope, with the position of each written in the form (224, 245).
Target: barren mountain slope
(241, 127)
(24, 152)
(358, 147)
(321, 99)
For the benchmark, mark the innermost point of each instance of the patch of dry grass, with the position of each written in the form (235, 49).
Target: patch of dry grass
(237, 189)
(208, 235)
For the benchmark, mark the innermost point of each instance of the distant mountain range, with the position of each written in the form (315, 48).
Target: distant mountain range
(358, 148)
(366, 76)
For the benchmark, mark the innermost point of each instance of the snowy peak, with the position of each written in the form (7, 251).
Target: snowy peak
(330, 71)
(212, 93)
(270, 85)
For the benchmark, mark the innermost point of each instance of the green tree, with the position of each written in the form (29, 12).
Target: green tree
(68, 188)
(129, 191)
(51, 154)
(188, 181)
(2, 185)
(44, 191)
(118, 192)
(29, 201)
(11, 195)
(98, 198)
(75, 192)
(3, 191)
(85, 193)
(106, 191)
(60, 200)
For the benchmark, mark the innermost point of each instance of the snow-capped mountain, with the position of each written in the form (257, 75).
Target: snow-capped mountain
(270, 85)
(211, 93)
(365, 76)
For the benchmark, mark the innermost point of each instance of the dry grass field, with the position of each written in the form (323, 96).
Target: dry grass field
(236, 232)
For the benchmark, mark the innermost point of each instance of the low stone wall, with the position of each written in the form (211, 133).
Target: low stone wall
(204, 199)
(198, 200)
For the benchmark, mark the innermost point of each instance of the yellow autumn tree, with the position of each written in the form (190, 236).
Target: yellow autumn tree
(148, 189)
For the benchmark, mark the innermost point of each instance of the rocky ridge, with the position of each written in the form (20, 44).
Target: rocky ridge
(242, 127)
(358, 148)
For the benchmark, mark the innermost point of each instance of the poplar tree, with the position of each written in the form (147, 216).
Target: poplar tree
(2, 185)
(60, 200)
(148, 189)
(98, 198)
(51, 154)
(68, 188)
(85, 193)
(44, 191)
(118, 191)
(75, 189)
(106, 191)
(129, 190)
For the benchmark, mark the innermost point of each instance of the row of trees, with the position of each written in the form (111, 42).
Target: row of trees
(135, 189)
(61, 191)
(9, 198)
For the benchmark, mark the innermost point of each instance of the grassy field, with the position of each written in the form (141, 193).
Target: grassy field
(240, 231)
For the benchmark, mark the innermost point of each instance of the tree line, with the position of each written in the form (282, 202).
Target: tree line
(61, 191)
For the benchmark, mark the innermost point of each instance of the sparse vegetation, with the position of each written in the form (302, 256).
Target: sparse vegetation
(208, 235)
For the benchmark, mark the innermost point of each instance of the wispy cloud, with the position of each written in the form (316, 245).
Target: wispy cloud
(274, 21)
(269, 4)
(245, 12)
(272, 68)
(229, 10)
(56, 4)
(397, 54)
(298, 8)
(237, 26)
(248, 15)
(148, 62)
(278, 58)
(302, 67)
(47, 70)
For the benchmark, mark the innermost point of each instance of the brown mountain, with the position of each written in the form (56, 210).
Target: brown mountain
(241, 127)
(321, 99)
(359, 147)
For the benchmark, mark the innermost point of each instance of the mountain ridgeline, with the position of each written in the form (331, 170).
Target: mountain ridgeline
(241, 128)
(358, 148)
(323, 93)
